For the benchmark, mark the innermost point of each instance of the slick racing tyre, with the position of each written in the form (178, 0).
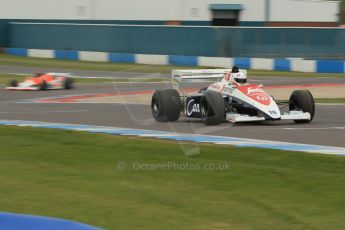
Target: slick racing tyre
(212, 108)
(44, 86)
(13, 83)
(302, 100)
(166, 105)
(69, 83)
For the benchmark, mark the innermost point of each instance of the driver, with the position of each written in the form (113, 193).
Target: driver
(235, 77)
(38, 74)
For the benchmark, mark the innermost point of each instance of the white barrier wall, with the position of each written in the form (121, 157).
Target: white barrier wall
(93, 56)
(262, 63)
(41, 53)
(303, 65)
(165, 10)
(216, 62)
(152, 59)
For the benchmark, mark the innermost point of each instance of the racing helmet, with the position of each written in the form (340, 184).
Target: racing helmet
(235, 69)
(228, 76)
(239, 78)
(38, 74)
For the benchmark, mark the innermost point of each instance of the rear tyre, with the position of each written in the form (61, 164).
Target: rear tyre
(13, 83)
(69, 83)
(166, 105)
(44, 86)
(302, 100)
(212, 108)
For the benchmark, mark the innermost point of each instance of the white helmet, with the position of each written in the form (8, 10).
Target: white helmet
(239, 78)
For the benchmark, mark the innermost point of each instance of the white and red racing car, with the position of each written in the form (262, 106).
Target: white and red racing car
(223, 100)
(44, 81)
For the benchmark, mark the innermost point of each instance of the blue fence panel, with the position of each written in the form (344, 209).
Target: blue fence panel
(282, 65)
(125, 58)
(330, 66)
(310, 43)
(116, 39)
(243, 63)
(183, 60)
(4, 33)
(17, 51)
(66, 54)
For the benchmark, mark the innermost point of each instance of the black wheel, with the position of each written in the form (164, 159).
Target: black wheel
(44, 86)
(212, 108)
(302, 100)
(13, 83)
(166, 105)
(69, 83)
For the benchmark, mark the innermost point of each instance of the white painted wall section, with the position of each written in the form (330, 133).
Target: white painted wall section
(216, 62)
(165, 10)
(200, 9)
(262, 63)
(303, 65)
(43, 9)
(41, 53)
(304, 11)
(152, 59)
(93, 56)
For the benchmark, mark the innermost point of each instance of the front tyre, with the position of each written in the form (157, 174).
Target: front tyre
(166, 105)
(302, 100)
(69, 83)
(13, 83)
(43, 86)
(212, 108)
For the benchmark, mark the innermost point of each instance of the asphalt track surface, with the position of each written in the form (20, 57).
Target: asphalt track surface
(327, 128)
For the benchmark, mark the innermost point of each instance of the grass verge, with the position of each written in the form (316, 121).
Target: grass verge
(76, 175)
(85, 65)
(118, 67)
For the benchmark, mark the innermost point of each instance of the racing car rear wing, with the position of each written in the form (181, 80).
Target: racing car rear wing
(200, 75)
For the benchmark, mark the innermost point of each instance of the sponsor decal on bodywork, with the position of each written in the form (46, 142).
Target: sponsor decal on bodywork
(192, 107)
(256, 93)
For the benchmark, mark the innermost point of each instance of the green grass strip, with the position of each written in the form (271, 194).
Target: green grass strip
(93, 178)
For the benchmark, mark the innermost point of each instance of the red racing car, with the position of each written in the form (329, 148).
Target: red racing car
(44, 81)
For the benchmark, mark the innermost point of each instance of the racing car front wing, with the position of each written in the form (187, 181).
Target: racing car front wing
(291, 115)
(22, 88)
(295, 115)
(30, 88)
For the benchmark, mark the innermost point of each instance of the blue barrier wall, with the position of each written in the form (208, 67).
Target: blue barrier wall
(117, 39)
(4, 33)
(310, 43)
(4, 24)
